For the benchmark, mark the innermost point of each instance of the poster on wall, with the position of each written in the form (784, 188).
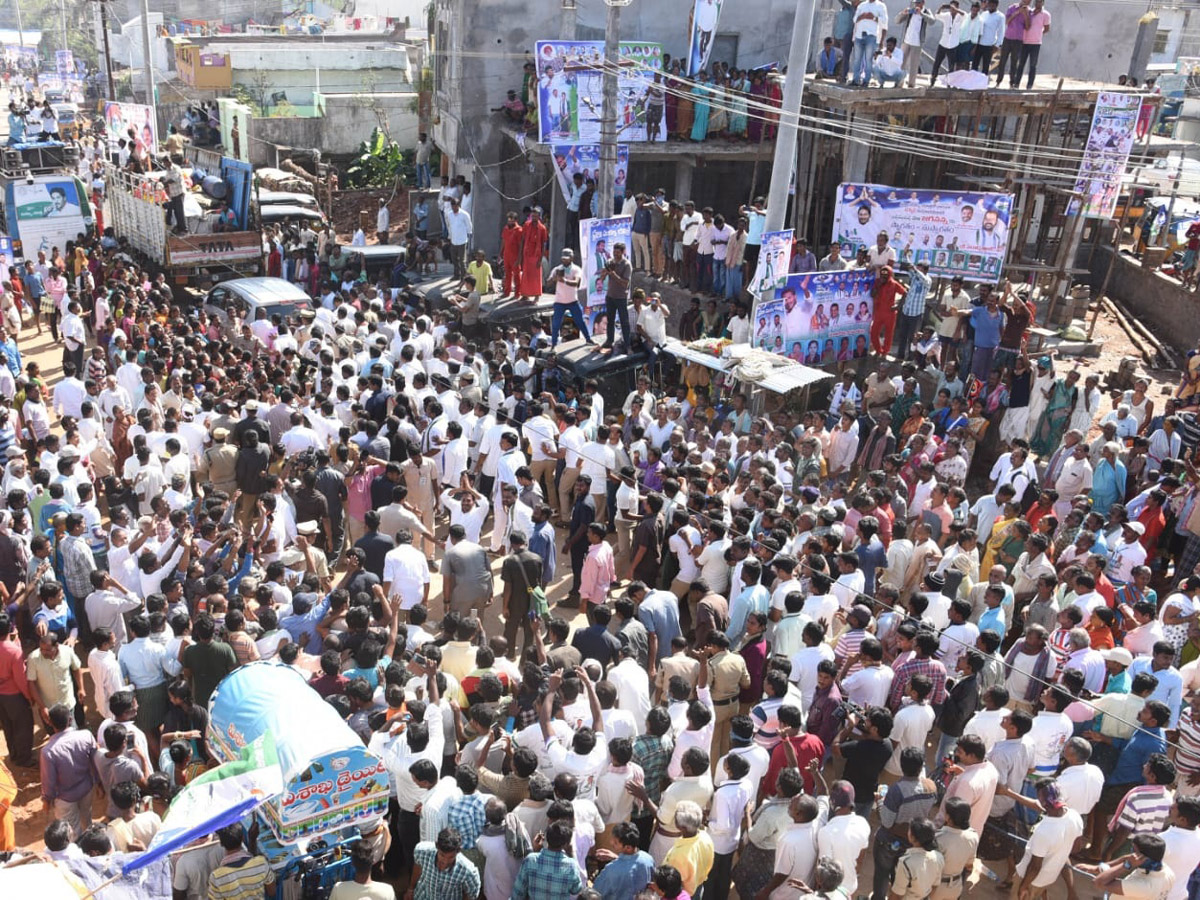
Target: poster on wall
(64, 62)
(585, 159)
(1114, 127)
(571, 91)
(120, 117)
(704, 28)
(596, 239)
(959, 233)
(817, 318)
(773, 258)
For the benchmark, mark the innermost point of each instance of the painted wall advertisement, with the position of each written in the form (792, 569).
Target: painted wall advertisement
(120, 117)
(773, 258)
(817, 318)
(571, 92)
(704, 28)
(1114, 127)
(48, 214)
(585, 159)
(957, 232)
(596, 239)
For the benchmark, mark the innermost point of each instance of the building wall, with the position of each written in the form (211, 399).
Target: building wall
(1158, 301)
(348, 120)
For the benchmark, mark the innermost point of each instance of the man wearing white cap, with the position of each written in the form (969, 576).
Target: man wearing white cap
(1128, 554)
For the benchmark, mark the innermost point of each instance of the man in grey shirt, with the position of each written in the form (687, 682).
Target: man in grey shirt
(466, 574)
(617, 275)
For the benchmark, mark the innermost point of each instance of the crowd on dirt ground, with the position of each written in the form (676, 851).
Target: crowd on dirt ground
(920, 638)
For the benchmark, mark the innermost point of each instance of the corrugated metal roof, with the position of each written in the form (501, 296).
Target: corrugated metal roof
(798, 376)
(781, 380)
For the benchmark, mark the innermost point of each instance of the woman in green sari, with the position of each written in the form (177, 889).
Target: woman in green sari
(1053, 422)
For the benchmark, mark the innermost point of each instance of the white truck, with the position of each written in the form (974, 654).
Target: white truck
(219, 243)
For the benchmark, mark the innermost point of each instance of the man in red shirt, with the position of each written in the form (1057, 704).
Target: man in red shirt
(888, 292)
(510, 248)
(1153, 519)
(795, 748)
(16, 714)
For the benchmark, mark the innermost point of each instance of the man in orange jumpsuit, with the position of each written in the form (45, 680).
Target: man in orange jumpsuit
(510, 247)
(533, 250)
(888, 292)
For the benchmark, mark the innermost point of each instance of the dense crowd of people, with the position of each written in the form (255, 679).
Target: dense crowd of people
(946, 626)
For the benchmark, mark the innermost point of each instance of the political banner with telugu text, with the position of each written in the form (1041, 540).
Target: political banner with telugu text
(959, 233)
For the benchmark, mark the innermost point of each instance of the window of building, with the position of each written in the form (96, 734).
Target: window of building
(1162, 38)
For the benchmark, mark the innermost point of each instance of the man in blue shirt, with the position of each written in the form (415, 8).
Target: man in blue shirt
(12, 353)
(302, 623)
(828, 59)
(630, 872)
(1170, 683)
(1147, 740)
(988, 322)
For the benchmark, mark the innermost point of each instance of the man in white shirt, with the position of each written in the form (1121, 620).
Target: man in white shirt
(458, 229)
(870, 27)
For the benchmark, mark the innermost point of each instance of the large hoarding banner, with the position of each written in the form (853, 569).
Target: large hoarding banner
(817, 318)
(1114, 128)
(64, 62)
(585, 159)
(959, 233)
(120, 117)
(48, 214)
(704, 28)
(774, 256)
(571, 91)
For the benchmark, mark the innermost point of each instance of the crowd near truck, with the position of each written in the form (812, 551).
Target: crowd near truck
(220, 242)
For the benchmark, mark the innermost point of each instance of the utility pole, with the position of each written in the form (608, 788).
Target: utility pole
(146, 52)
(20, 30)
(112, 90)
(608, 116)
(62, 18)
(789, 117)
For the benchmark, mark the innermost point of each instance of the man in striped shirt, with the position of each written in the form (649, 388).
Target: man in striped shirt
(1187, 753)
(240, 875)
(1143, 809)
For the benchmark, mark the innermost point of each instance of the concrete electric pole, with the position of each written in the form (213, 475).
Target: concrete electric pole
(789, 116)
(605, 190)
(146, 49)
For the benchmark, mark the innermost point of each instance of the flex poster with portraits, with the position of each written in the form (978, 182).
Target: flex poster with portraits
(959, 233)
(120, 117)
(585, 159)
(596, 239)
(774, 256)
(705, 15)
(570, 78)
(48, 213)
(1114, 128)
(817, 318)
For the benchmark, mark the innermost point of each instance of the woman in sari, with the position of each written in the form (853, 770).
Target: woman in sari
(911, 425)
(687, 108)
(903, 404)
(1052, 424)
(738, 87)
(1188, 394)
(718, 121)
(1000, 534)
(774, 96)
(702, 91)
(671, 100)
(758, 92)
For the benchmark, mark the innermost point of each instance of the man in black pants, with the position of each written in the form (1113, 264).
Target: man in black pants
(618, 274)
(1016, 20)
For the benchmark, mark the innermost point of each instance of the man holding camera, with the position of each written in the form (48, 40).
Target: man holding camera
(617, 275)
